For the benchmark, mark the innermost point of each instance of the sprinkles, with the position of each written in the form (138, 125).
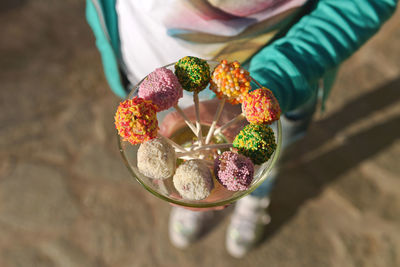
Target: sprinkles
(157, 158)
(256, 141)
(136, 120)
(261, 106)
(161, 87)
(230, 81)
(193, 73)
(234, 171)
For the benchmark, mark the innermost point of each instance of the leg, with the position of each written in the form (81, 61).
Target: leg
(250, 215)
(186, 226)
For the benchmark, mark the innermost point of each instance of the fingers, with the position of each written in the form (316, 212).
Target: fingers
(171, 123)
(219, 192)
(201, 209)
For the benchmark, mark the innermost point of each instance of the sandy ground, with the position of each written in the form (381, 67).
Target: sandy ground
(66, 199)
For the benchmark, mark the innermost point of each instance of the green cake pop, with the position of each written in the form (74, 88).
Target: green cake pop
(256, 142)
(193, 73)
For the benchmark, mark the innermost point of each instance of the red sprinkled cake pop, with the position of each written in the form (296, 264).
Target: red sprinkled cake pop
(260, 106)
(136, 120)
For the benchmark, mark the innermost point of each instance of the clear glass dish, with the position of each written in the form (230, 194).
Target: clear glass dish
(164, 189)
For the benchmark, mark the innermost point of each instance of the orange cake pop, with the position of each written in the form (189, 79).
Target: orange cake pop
(230, 81)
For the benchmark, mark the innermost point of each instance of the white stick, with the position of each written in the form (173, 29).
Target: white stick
(185, 157)
(215, 120)
(198, 125)
(213, 146)
(205, 147)
(190, 157)
(172, 143)
(186, 119)
(229, 123)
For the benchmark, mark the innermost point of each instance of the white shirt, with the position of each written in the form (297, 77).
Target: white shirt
(154, 33)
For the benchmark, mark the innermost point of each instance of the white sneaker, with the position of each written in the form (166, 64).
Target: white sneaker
(186, 226)
(247, 225)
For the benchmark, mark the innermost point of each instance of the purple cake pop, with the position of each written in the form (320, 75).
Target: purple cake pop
(234, 171)
(162, 88)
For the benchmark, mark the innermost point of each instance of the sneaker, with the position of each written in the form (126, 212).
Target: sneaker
(247, 225)
(186, 226)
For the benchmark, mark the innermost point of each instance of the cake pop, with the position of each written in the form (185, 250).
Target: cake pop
(260, 106)
(234, 171)
(193, 73)
(230, 82)
(161, 87)
(193, 180)
(256, 141)
(156, 159)
(136, 120)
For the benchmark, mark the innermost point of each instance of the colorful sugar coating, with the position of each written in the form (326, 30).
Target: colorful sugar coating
(156, 159)
(230, 81)
(261, 106)
(193, 73)
(162, 88)
(234, 171)
(193, 180)
(136, 120)
(256, 141)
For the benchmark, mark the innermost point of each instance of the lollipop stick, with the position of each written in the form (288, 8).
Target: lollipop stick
(229, 123)
(190, 157)
(198, 125)
(186, 119)
(215, 120)
(213, 146)
(205, 147)
(172, 143)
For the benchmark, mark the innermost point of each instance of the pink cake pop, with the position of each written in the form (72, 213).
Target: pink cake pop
(162, 88)
(234, 171)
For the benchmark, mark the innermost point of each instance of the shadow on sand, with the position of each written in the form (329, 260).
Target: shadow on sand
(292, 190)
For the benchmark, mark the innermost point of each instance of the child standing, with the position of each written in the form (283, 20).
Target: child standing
(289, 46)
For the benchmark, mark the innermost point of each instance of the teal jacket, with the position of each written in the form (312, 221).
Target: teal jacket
(291, 65)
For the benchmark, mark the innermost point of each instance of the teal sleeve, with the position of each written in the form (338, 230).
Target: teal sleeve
(292, 65)
(105, 43)
(111, 20)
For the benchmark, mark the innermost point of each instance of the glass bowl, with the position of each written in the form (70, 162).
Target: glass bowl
(181, 134)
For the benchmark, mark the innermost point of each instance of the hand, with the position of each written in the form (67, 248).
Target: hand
(201, 209)
(217, 191)
(174, 121)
